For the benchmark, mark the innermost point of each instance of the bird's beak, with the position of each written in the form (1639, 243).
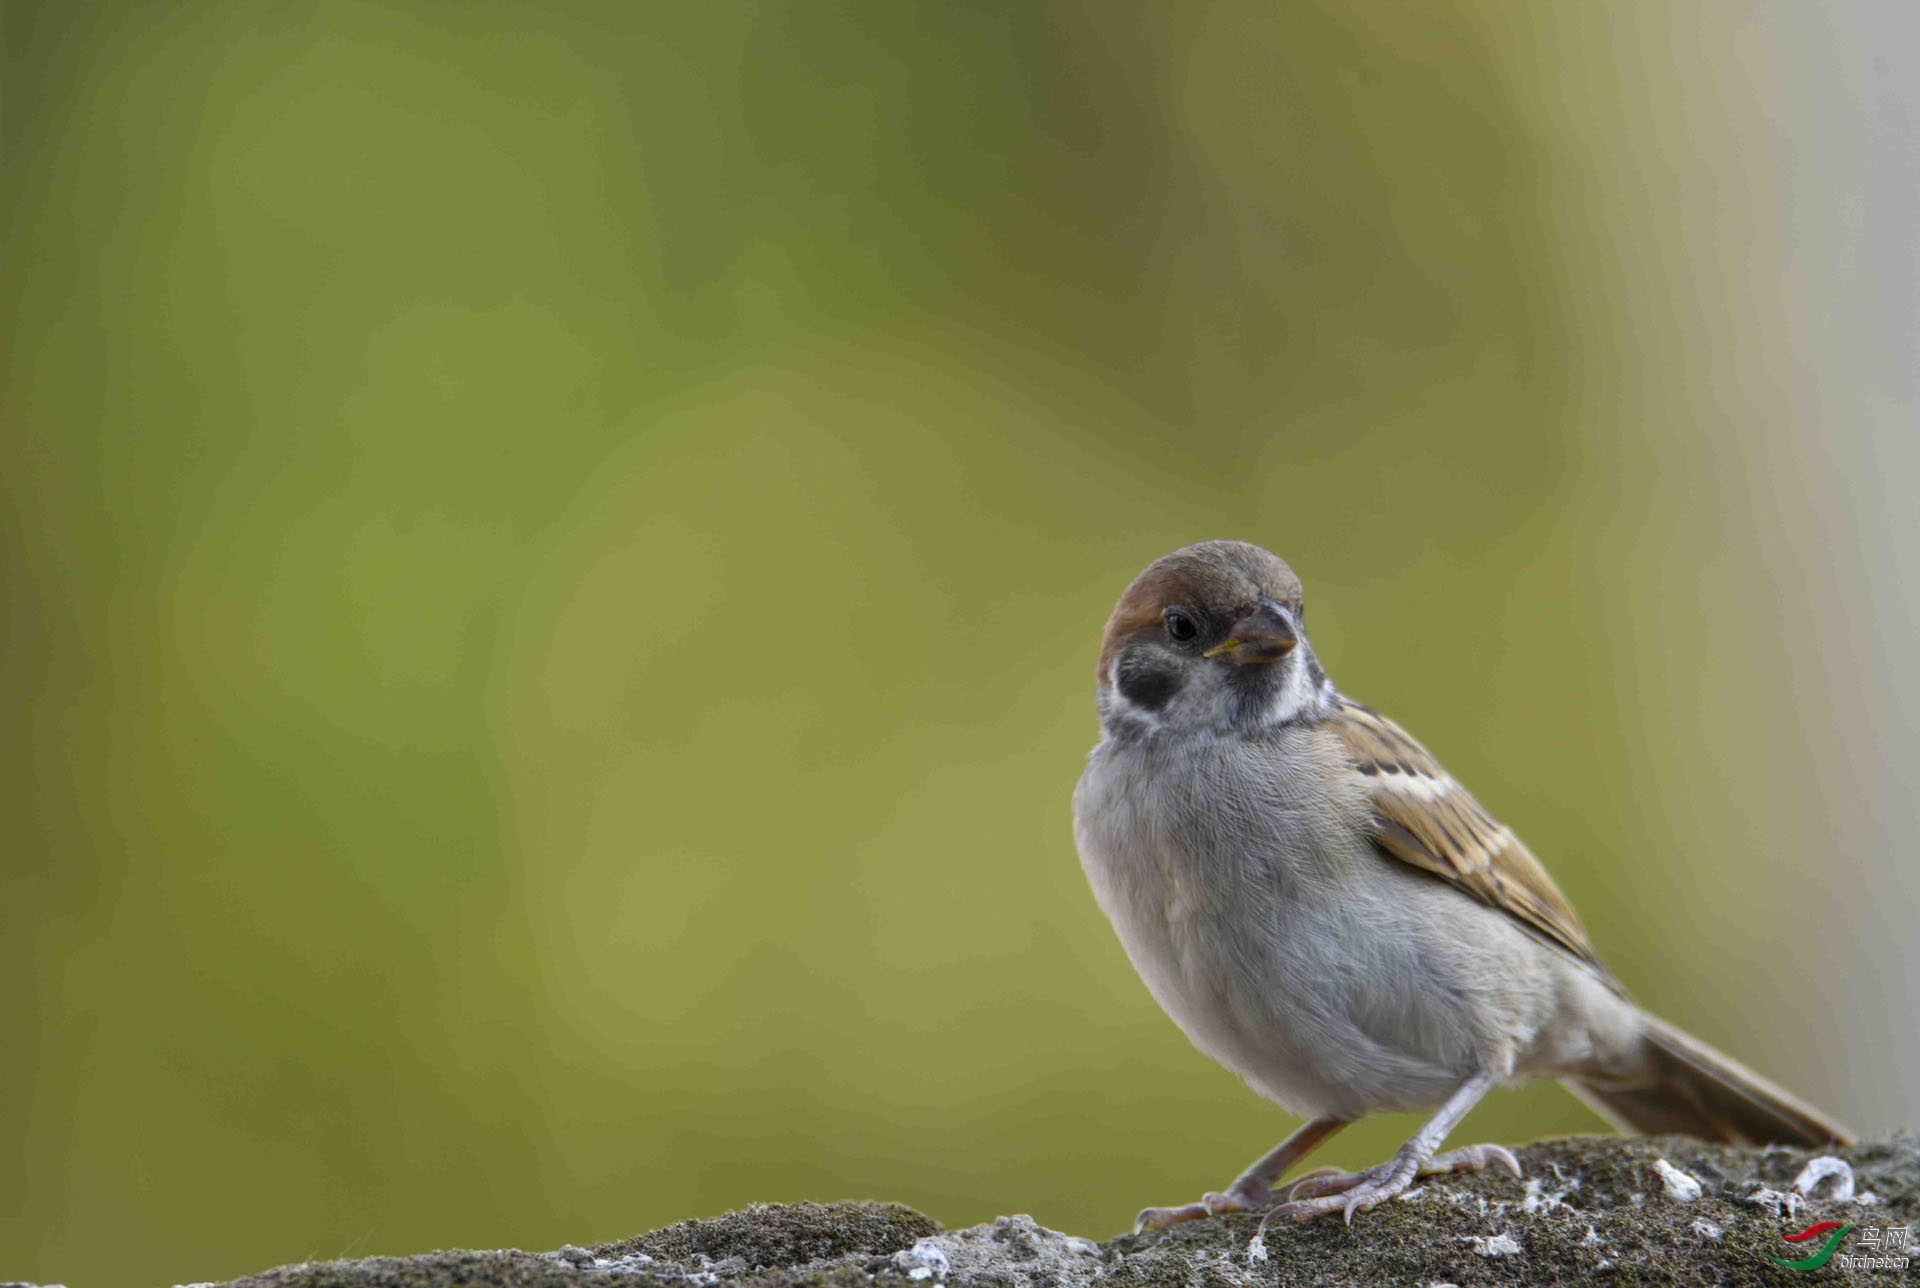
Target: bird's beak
(1264, 635)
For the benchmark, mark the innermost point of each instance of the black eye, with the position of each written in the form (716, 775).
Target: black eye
(1179, 624)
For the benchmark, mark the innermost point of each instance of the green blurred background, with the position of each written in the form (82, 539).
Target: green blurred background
(553, 557)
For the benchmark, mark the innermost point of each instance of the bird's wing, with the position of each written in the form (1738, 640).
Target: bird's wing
(1422, 817)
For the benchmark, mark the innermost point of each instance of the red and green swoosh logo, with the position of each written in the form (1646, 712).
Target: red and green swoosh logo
(1834, 1232)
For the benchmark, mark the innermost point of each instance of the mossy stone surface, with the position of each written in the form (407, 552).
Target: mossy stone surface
(1590, 1210)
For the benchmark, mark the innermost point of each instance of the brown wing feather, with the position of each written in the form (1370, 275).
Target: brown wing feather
(1424, 818)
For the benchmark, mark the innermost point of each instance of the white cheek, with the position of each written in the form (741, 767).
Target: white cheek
(1300, 694)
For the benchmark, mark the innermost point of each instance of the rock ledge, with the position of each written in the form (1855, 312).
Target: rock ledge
(1602, 1210)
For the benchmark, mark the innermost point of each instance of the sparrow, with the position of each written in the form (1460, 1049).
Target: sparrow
(1326, 912)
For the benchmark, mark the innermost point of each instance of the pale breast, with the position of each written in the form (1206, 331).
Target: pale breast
(1268, 930)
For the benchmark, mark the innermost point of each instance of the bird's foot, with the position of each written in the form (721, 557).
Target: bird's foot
(1240, 1197)
(1321, 1192)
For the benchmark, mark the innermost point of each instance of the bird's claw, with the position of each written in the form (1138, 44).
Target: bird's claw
(1324, 1191)
(1473, 1158)
(1236, 1199)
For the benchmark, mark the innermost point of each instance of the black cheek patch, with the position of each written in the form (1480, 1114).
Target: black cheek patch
(1146, 680)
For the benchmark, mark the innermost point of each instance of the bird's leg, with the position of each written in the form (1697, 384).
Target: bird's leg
(1253, 1191)
(1318, 1194)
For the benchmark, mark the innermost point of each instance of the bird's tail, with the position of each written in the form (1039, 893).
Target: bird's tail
(1690, 1089)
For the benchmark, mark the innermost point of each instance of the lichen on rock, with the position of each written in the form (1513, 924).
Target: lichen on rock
(1607, 1210)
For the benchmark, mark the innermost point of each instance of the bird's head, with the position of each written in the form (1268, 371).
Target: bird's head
(1210, 637)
